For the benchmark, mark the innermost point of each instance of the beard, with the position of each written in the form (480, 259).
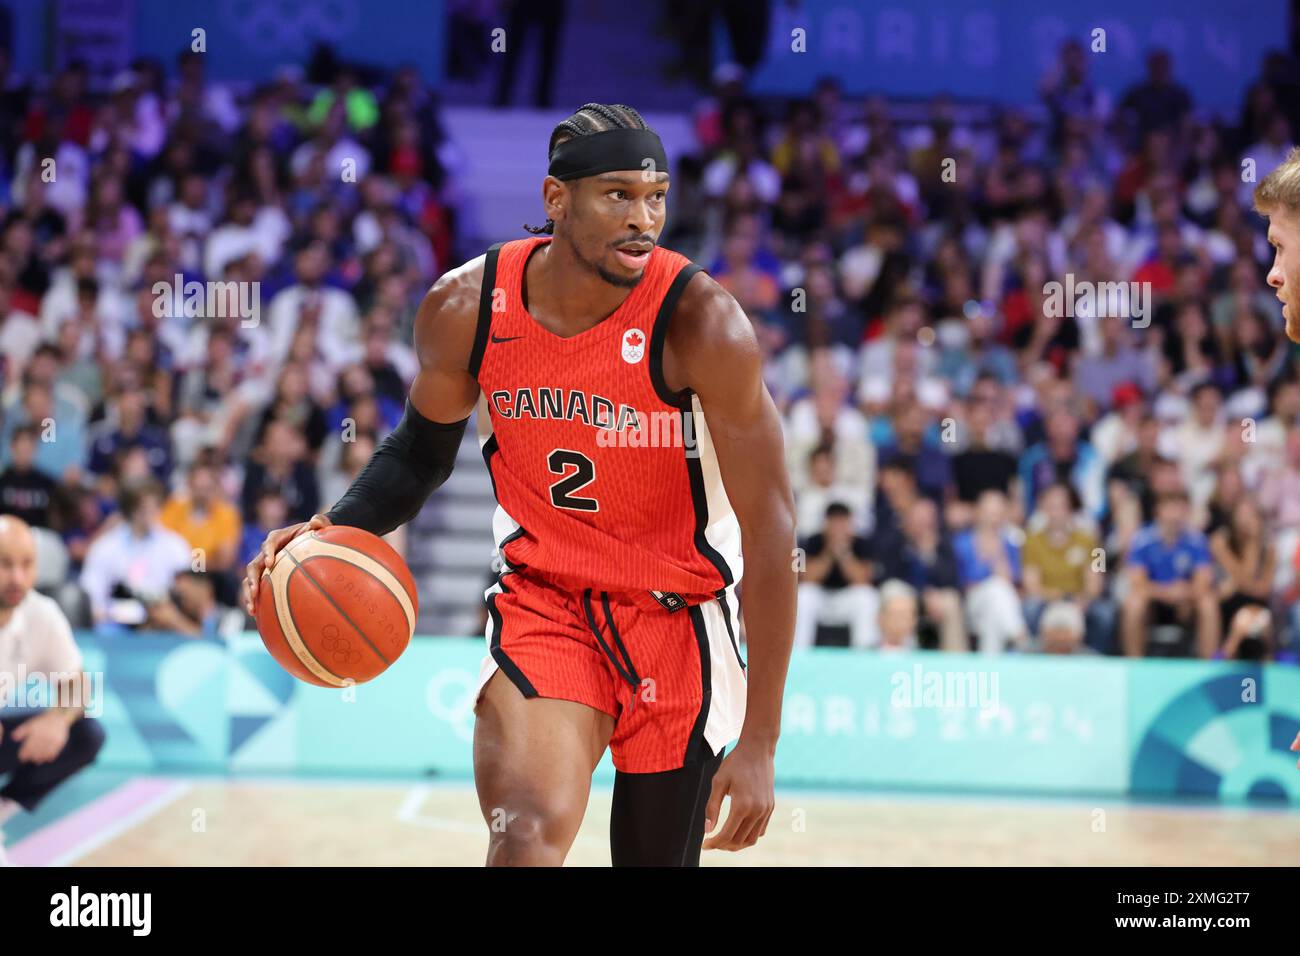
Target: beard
(622, 282)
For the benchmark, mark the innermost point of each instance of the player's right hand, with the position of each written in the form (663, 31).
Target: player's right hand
(265, 557)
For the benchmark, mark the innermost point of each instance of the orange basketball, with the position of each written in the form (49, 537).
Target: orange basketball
(339, 604)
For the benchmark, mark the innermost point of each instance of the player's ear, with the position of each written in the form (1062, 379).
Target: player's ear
(554, 195)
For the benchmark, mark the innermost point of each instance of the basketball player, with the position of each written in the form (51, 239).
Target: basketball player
(636, 458)
(1278, 198)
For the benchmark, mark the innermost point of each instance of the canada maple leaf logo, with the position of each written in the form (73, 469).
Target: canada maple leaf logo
(633, 349)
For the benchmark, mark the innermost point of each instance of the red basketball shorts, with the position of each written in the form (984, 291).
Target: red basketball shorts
(673, 681)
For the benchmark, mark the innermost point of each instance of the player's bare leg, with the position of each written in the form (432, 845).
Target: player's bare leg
(533, 761)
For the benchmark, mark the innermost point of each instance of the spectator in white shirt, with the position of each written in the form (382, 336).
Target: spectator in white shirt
(899, 615)
(332, 312)
(827, 415)
(340, 153)
(66, 299)
(877, 360)
(743, 159)
(65, 173)
(823, 489)
(835, 583)
(44, 741)
(20, 333)
(248, 229)
(135, 561)
(1197, 444)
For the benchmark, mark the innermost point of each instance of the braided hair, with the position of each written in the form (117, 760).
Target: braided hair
(591, 118)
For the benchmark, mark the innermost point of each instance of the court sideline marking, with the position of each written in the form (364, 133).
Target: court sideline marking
(98, 822)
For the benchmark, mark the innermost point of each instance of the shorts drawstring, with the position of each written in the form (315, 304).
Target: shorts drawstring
(628, 673)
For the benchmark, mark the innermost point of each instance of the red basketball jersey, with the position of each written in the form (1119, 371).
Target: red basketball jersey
(604, 478)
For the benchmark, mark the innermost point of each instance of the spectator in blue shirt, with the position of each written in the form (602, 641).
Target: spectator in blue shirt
(916, 551)
(61, 432)
(988, 568)
(1170, 579)
(931, 466)
(128, 427)
(1064, 458)
(280, 464)
(271, 512)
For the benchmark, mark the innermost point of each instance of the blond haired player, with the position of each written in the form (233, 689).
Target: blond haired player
(1278, 198)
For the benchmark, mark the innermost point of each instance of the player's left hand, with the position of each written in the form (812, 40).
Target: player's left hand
(42, 738)
(747, 776)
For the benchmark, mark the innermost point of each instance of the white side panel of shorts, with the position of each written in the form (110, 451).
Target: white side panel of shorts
(726, 678)
(489, 665)
(723, 529)
(503, 526)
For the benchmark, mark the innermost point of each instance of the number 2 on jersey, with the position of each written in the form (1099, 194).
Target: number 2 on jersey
(584, 473)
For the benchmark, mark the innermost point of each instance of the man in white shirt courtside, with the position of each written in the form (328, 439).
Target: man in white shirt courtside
(40, 746)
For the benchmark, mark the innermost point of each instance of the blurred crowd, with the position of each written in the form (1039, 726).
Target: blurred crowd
(977, 467)
(153, 433)
(973, 469)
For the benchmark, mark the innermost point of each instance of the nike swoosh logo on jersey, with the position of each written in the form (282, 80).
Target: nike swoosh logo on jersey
(508, 338)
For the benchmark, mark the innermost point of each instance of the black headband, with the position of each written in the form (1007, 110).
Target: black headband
(606, 152)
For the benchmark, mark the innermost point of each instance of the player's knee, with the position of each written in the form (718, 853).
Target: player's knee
(522, 845)
(532, 835)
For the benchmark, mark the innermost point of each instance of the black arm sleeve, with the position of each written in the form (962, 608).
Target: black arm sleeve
(408, 465)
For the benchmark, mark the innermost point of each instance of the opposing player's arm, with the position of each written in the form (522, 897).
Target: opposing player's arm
(418, 455)
(713, 350)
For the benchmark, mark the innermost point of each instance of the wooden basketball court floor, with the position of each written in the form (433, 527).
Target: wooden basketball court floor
(217, 821)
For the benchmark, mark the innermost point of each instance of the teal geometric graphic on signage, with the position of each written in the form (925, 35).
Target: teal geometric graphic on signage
(1282, 731)
(247, 693)
(1209, 740)
(241, 728)
(127, 748)
(1259, 772)
(134, 672)
(262, 667)
(186, 667)
(191, 686)
(1197, 778)
(1159, 765)
(1223, 744)
(1270, 790)
(272, 746)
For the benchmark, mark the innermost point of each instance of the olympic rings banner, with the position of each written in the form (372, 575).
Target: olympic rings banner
(1012, 724)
